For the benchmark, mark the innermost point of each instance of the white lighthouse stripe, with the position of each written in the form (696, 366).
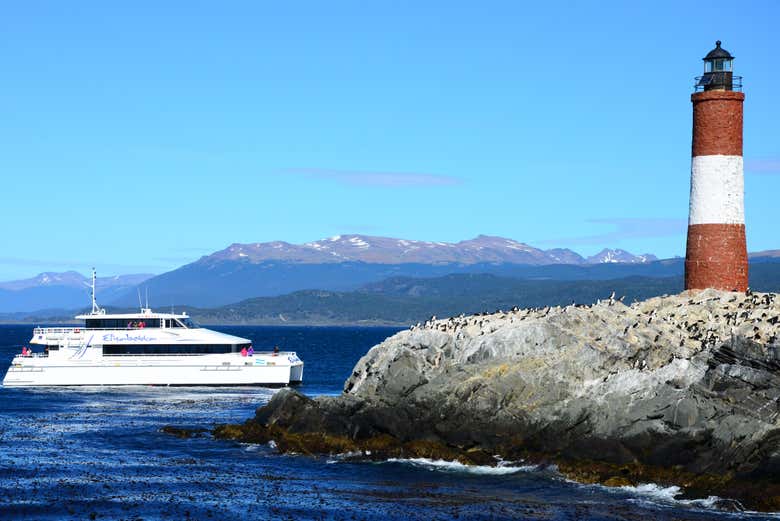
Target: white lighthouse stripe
(717, 190)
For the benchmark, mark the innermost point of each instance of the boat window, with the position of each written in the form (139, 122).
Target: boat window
(171, 349)
(189, 323)
(121, 323)
(181, 322)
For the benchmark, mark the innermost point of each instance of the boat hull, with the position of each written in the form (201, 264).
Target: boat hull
(174, 372)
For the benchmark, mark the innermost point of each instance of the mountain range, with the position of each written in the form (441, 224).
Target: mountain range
(347, 262)
(406, 300)
(385, 250)
(66, 290)
(338, 264)
(76, 280)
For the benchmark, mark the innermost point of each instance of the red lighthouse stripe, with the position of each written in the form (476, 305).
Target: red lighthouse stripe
(717, 123)
(716, 257)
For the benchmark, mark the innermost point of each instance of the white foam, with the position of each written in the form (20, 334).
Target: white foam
(654, 491)
(668, 496)
(345, 455)
(502, 468)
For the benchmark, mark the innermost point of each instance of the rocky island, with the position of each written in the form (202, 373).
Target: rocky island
(676, 390)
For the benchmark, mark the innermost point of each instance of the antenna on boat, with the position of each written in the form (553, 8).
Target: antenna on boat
(144, 310)
(96, 310)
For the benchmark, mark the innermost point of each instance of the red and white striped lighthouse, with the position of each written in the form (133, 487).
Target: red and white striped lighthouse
(716, 254)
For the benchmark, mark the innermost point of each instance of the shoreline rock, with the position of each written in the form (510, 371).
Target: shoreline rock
(676, 390)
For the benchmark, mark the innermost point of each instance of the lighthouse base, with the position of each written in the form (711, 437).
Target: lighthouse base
(716, 257)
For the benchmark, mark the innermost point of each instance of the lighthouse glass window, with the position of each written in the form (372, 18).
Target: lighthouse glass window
(717, 66)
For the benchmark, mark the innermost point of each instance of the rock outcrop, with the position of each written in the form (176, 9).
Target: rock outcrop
(679, 389)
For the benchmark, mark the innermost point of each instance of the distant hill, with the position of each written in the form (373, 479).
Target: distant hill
(619, 256)
(207, 285)
(387, 250)
(765, 256)
(405, 300)
(408, 300)
(347, 262)
(339, 264)
(65, 290)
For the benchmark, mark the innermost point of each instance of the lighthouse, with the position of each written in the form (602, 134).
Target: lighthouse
(716, 253)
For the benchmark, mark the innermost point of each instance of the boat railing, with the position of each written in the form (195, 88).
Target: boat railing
(238, 353)
(52, 330)
(33, 355)
(78, 330)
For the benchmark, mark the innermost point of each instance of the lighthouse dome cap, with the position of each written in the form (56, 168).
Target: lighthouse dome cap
(718, 53)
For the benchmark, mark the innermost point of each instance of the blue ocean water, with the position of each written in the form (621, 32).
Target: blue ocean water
(98, 453)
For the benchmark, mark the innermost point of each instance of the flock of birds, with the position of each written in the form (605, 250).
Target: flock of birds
(705, 318)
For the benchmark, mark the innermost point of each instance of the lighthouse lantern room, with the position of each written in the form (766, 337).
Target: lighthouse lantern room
(718, 71)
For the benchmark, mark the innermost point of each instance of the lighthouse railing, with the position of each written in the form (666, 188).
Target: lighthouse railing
(699, 85)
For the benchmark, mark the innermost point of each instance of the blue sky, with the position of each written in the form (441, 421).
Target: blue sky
(138, 136)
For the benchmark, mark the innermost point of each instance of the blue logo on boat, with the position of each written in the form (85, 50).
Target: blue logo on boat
(127, 337)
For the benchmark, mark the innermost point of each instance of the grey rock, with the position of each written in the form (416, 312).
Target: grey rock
(686, 380)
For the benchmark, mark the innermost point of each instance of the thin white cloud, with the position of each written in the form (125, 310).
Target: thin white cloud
(763, 166)
(386, 179)
(627, 228)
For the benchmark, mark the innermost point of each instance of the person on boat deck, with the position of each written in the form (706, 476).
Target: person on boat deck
(243, 351)
(141, 324)
(250, 351)
(24, 351)
(276, 350)
(131, 324)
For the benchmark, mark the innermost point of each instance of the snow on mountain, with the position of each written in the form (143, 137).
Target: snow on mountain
(613, 256)
(387, 250)
(67, 290)
(564, 256)
(72, 279)
(67, 278)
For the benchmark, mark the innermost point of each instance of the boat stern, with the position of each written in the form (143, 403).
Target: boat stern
(296, 369)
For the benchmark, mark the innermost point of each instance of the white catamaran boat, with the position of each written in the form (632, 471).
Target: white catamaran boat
(146, 348)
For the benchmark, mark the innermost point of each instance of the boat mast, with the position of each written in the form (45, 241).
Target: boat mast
(95, 308)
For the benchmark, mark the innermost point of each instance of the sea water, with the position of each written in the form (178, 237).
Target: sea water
(98, 453)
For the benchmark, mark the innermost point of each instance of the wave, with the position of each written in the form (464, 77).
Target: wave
(501, 469)
(664, 494)
(344, 456)
(667, 496)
